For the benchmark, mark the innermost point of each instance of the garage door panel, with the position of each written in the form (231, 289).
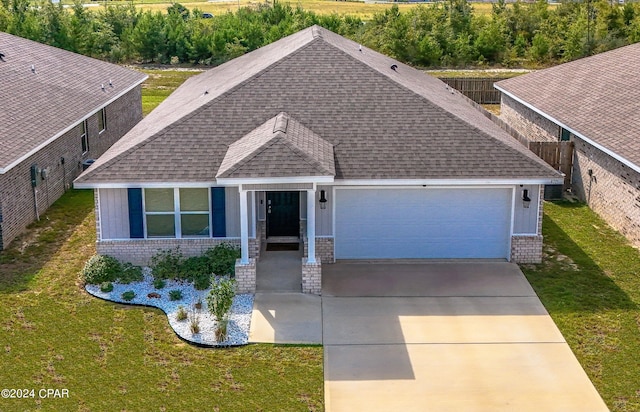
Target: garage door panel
(430, 223)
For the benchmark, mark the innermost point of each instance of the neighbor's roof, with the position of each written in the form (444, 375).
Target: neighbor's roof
(596, 97)
(45, 91)
(384, 122)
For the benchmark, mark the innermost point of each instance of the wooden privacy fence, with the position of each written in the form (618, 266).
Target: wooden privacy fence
(558, 154)
(478, 89)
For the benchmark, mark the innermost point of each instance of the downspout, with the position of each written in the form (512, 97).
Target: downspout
(35, 202)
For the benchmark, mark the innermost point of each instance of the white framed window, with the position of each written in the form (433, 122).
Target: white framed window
(84, 137)
(177, 212)
(102, 121)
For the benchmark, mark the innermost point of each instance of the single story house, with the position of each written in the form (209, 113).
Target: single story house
(57, 110)
(594, 103)
(315, 137)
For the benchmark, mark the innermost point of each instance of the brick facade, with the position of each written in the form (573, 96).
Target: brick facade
(311, 277)
(246, 276)
(324, 249)
(533, 126)
(62, 159)
(612, 190)
(526, 249)
(140, 251)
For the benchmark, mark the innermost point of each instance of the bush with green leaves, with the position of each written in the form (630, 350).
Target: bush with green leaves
(220, 297)
(159, 283)
(101, 268)
(167, 264)
(198, 270)
(106, 287)
(130, 273)
(175, 294)
(128, 295)
(223, 259)
(219, 302)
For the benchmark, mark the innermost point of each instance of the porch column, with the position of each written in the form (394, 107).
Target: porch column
(311, 225)
(244, 228)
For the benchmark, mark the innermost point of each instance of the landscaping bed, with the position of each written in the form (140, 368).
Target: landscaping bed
(192, 302)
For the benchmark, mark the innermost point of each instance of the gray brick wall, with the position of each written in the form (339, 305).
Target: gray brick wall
(527, 122)
(140, 251)
(311, 277)
(526, 249)
(324, 249)
(246, 276)
(612, 190)
(17, 200)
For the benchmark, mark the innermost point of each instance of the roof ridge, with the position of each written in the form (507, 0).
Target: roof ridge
(106, 162)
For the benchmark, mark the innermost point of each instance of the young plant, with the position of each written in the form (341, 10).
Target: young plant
(194, 323)
(159, 283)
(106, 287)
(219, 301)
(198, 304)
(175, 294)
(128, 295)
(181, 314)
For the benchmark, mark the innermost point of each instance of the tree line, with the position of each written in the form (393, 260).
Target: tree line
(442, 34)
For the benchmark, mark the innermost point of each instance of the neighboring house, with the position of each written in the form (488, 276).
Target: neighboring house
(314, 136)
(57, 110)
(593, 102)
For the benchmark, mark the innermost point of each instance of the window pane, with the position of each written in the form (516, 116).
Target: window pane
(195, 225)
(161, 226)
(101, 120)
(194, 200)
(158, 200)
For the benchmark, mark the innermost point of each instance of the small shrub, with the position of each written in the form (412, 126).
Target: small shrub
(106, 287)
(175, 294)
(159, 283)
(223, 259)
(128, 295)
(202, 282)
(167, 264)
(181, 314)
(101, 268)
(130, 273)
(219, 302)
(194, 323)
(196, 266)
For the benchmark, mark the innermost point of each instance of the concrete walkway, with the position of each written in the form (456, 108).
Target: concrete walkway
(437, 337)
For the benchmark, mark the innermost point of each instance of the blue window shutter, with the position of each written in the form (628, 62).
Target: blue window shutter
(136, 228)
(218, 210)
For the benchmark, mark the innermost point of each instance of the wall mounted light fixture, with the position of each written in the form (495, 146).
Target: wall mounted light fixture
(323, 199)
(526, 200)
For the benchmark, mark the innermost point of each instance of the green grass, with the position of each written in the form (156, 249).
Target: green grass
(590, 284)
(115, 357)
(160, 84)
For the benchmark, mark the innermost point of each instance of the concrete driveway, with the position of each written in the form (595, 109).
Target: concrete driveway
(444, 337)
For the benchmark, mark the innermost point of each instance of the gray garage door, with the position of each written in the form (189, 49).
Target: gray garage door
(422, 223)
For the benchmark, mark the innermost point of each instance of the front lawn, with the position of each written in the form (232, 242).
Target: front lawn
(590, 284)
(115, 357)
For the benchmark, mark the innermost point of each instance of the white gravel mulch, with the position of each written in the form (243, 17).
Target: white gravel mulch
(239, 315)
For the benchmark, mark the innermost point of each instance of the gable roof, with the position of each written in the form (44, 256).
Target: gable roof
(281, 147)
(595, 97)
(45, 91)
(384, 122)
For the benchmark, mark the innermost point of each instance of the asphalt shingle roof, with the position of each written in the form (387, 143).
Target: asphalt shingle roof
(281, 147)
(596, 96)
(63, 88)
(382, 123)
